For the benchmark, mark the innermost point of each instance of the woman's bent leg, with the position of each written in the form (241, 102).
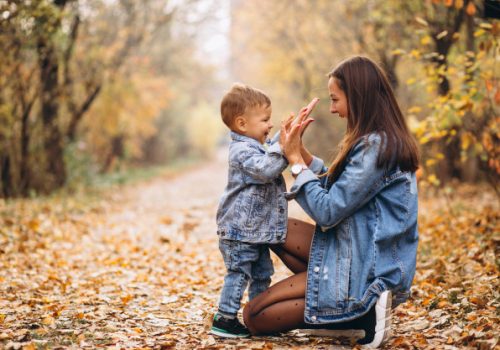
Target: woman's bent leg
(280, 308)
(295, 251)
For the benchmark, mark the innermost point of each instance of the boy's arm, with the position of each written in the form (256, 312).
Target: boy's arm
(261, 168)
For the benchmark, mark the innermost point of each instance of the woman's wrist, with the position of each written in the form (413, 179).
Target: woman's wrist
(306, 155)
(296, 160)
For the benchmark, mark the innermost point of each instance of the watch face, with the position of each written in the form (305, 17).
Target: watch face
(296, 169)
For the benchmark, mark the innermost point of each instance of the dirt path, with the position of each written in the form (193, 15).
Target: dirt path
(140, 268)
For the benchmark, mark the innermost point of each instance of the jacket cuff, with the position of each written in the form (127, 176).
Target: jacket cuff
(276, 137)
(275, 148)
(317, 165)
(304, 177)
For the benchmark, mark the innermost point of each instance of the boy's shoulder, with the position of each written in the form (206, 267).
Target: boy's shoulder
(242, 148)
(240, 143)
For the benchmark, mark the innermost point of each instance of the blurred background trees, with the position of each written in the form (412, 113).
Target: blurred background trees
(441, 57)
(89, 86)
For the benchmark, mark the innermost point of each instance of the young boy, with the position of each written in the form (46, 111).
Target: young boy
(253, 210)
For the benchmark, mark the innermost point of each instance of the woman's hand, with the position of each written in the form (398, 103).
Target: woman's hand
(290, 137)
(303, 117)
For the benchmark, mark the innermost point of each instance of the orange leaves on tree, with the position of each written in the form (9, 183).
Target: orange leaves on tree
(470, 9)
(459, 4)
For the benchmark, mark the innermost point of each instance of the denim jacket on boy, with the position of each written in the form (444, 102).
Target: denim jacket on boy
(366, 235)
(253, 207)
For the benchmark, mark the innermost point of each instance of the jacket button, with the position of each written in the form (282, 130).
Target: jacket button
(313, 318)
(316, 269)
(282, 210)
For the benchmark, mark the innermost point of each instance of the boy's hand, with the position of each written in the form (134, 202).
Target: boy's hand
(286, 124)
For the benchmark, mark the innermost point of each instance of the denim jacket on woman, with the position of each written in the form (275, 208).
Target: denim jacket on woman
(366, 235)
(253, 208)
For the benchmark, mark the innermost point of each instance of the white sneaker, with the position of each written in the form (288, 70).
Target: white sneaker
(382, 325)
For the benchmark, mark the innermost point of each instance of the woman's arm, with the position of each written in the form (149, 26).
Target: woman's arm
(355, 186)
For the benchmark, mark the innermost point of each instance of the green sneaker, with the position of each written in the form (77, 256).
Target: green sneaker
(228, 327)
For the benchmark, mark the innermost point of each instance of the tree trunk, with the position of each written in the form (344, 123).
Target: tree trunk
(24, 171)
(442, 48)
(389, 63)
(53, 142)
(7, 188)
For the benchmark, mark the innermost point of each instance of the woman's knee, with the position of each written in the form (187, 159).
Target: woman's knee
(248, 317)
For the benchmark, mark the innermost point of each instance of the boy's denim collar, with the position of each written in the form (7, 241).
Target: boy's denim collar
(238, 137)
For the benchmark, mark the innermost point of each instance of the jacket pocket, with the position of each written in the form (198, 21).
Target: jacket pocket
(253, 208)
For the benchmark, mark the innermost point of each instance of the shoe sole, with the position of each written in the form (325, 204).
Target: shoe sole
(383, 321)
(223, 334)
(333, 333)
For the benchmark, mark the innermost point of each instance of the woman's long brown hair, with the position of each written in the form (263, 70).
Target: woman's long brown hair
(372, 109)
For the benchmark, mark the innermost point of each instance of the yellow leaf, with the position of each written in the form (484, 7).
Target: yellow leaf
(466, 141)
(479, 32)
(411, 81)
(49, 320)
(459, 4)
(425, 40)
(414, 109)
(397, 52)
(34, 224)
(432, 179)
(415, 53)
(125, 299)
(442, 304)
(424, 139)
(430, 162)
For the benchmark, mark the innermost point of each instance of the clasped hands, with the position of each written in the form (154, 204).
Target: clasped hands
(291, 133)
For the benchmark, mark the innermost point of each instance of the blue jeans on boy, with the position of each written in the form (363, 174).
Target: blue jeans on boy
(245, 263)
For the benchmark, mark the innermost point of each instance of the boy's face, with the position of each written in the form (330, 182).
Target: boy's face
(257, 123)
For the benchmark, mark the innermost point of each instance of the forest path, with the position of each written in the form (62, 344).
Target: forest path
(139, 267)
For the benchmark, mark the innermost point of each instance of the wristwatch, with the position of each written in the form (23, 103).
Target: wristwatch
(296, 169)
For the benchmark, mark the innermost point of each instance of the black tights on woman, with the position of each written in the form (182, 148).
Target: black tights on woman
(281, 307)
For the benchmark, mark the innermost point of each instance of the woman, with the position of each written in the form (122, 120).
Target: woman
(361, 254)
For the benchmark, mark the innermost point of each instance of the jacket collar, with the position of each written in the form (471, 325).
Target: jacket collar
(242, 138)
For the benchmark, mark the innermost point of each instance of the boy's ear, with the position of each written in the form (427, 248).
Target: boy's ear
(240, 123)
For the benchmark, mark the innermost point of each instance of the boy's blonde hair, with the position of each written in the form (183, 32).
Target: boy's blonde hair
(238, 100)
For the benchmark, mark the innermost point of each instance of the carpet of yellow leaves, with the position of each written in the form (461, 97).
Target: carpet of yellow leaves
(138, 267)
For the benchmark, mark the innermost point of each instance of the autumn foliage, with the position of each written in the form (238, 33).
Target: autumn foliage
(138, 267)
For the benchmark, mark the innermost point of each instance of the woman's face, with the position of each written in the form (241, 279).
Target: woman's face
(338, 100)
